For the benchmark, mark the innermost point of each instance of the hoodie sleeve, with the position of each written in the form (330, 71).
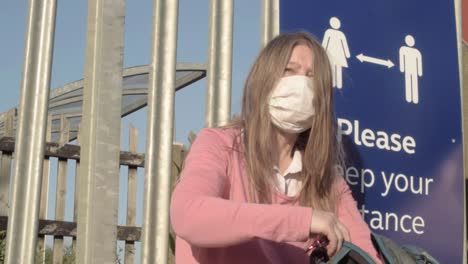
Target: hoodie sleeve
(203, 218)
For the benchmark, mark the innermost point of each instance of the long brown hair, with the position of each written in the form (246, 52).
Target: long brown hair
(319, 143)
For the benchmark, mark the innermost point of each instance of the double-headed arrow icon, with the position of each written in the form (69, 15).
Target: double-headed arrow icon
(363, 58)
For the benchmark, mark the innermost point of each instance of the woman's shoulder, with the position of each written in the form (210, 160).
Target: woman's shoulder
(219, 134)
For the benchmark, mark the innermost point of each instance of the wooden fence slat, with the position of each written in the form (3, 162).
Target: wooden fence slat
(68, 151)
(5, 163)
(75, 203)
(64, 228)
(5, 171)
(131, 194)
(178, 156)
(44, 207)
(61, 191)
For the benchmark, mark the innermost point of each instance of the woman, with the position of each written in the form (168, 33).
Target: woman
(263, 188)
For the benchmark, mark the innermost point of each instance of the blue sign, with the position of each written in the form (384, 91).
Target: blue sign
(397, 94)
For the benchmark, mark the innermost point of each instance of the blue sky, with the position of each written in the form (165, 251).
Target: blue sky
(68, 63)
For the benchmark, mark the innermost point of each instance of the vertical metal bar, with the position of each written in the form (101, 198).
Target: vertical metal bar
(178, 157)
(270, 20)
(159, 133)
(61, 189)
(30, 135)
(44, 193)
(100, 133)
(462, 63)
(5, 164)
(131, 194)
(219, 75)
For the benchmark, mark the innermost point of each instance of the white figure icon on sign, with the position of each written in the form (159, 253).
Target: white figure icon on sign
(411, 66)
(334, 42)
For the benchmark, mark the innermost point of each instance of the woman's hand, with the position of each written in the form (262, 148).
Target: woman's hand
(327, 224)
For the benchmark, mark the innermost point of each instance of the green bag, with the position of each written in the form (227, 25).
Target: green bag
(390, 253)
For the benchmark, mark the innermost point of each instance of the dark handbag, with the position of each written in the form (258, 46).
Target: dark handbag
(390, 253)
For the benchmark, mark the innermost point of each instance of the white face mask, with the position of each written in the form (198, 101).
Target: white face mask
(291, 108)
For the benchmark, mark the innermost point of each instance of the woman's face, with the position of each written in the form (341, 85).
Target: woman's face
(301, 62)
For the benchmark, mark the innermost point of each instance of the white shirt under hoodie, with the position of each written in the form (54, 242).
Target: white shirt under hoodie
(289, 181)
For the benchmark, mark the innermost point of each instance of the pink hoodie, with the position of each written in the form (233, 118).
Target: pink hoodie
(215, 223)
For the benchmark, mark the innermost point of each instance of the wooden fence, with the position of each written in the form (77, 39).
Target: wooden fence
(67, 159)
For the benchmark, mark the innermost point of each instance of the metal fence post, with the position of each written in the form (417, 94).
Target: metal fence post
(219, 74)
(100, 133)
(158, 159)
(270, 20)
(30, 134)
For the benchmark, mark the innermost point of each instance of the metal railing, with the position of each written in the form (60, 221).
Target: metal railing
(98, 161)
